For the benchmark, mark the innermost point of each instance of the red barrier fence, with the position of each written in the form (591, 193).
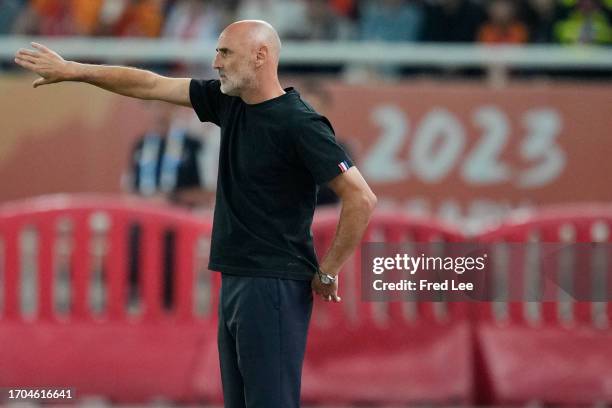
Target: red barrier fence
(105, 347)
(68, 317)
(554, 352)
(387, 352)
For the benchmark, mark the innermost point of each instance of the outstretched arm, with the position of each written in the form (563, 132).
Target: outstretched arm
(358, 202)
(133, 82)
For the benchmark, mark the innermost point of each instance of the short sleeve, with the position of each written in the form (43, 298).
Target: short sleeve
(206, 99)
(318, 149)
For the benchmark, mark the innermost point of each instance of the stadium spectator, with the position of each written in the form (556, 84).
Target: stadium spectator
(42, 21)
(165, 166)
(132, 18)
(198, 20)
(324, 22)
(166, 162)
(193, 19)
(59, 17)
(9, 13)
(452, 21)
(502, 26)
(289, 17)
(346, 8)
(541, 16)
(391, 20)
(587, 23)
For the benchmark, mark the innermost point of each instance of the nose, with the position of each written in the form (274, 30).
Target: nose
(216, 64)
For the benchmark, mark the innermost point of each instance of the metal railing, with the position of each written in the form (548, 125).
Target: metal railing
(329, 53)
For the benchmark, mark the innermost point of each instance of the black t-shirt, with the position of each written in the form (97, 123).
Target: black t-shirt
(272, 157)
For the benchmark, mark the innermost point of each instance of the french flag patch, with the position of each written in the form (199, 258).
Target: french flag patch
(343, 166)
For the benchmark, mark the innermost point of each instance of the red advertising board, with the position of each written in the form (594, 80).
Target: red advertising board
(451, 149)
(466, 148)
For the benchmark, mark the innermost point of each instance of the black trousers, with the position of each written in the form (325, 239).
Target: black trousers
(263, 324)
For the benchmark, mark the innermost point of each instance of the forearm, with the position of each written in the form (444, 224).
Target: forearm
(354, 218)
(133, 82)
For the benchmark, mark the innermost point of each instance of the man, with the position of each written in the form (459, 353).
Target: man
(165, 165)
(275, 149)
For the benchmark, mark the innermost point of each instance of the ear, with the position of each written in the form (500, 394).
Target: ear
(261, 56)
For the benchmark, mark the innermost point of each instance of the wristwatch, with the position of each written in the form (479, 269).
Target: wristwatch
(325, 278)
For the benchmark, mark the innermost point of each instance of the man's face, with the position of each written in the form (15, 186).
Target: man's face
(235, 65)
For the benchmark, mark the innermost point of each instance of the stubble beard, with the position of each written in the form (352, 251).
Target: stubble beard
(228, 88)
(236, 87)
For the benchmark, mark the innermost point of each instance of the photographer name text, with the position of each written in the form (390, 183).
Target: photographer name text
(422, 285)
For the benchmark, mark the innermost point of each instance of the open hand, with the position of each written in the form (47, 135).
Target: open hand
(45, 62)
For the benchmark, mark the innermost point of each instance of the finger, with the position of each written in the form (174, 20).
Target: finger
(27, 58)
(337, 299)
(40, 47)
(30, 53)
(24, 63)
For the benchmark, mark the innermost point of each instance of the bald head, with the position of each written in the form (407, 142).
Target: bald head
(255, 34)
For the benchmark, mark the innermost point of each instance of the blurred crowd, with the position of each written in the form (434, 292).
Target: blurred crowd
(484, 21)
